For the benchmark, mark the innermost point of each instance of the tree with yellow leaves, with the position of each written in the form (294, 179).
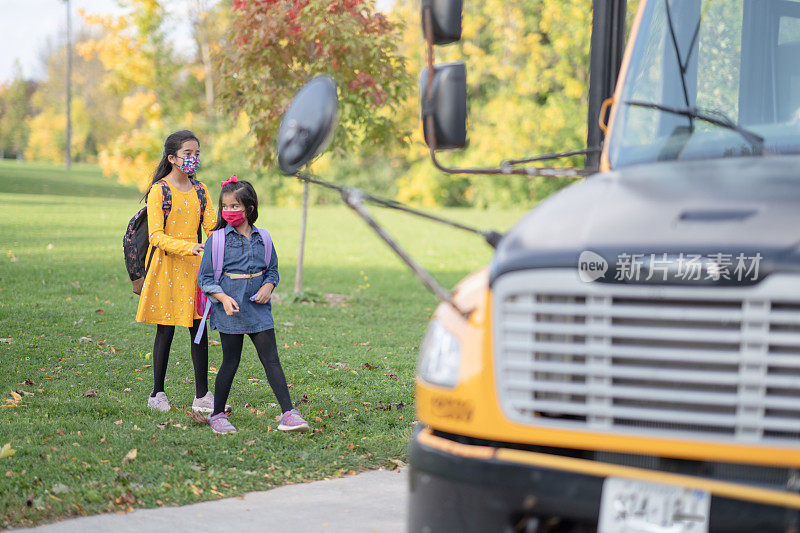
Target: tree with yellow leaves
(527, 72)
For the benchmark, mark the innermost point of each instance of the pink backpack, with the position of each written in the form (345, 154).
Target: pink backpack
(217, 260)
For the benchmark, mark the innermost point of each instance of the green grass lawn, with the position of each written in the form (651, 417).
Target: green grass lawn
(67, 327)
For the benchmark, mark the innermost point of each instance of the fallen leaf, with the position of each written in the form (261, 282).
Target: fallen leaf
(28, 382)
(118, 423)
(60, 431)
(200, 418)
(59, 488)
(5, 340)
(130, 456)
(16, 397)
(350, 446)
(90, 393)
(368, 366)
(396, 463)
(85, 339)
(7, 450)
(76, 284)
(212, 342)
(99, 311)
(126, 389)
(304, 399)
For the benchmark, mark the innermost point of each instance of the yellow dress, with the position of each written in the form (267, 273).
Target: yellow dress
(168, 294)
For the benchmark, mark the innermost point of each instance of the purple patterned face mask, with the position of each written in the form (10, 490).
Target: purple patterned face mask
(190, 164)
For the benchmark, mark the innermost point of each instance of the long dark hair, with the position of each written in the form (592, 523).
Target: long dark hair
(246, 195)
(171, 147)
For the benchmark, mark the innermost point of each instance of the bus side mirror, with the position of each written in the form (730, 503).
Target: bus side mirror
(445, 108)
(308, 124)
(445, 18)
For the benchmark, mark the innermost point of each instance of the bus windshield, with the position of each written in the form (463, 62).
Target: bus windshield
(710, 79)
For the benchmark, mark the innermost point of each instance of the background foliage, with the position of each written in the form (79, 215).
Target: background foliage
(527, 65)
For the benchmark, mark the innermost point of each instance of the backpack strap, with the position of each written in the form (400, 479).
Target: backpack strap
(166, 201)
(217, 261)
(218, 252)
(267, 238)
(201, 195)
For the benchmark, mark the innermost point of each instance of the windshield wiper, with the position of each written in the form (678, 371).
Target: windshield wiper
(718, 118)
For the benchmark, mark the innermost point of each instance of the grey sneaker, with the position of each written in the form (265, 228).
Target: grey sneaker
(292, 421)
(220, 424)
(206, 404)
(159, 401)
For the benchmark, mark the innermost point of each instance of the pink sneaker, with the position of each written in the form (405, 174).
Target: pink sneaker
(220, 424)
(206, 404)
(292, 421)
(159, 402)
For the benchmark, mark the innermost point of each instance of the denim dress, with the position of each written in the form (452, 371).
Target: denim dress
(242, 256)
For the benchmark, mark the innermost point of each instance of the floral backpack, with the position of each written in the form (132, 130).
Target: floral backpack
(136, 240)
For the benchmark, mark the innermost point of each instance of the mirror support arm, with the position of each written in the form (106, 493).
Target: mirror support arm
(507, 167)
(354, 198)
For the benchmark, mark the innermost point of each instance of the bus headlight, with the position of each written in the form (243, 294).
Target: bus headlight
(440, 356)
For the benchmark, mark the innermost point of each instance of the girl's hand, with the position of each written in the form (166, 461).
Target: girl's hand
(198, 248)
(264, 293)
(230, 305)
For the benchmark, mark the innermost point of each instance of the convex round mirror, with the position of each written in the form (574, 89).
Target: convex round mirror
(307, 126)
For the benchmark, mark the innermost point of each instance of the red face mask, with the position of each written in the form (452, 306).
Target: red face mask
(234, 218)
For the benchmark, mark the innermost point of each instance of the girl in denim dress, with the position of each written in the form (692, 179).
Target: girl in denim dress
(241, 302)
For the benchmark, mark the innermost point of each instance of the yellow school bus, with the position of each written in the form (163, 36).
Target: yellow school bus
(630, 359)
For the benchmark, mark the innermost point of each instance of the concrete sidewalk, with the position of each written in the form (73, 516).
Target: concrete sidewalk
(373, 501)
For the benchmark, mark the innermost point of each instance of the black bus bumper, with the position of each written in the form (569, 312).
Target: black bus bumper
(465, 488)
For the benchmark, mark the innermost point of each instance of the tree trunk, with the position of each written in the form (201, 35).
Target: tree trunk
(298, 277)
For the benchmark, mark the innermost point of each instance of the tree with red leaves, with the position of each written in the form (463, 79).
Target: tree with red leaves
(278, 45)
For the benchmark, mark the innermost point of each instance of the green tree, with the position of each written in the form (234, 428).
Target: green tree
(95, 118)
(15, 109)
(527, 73)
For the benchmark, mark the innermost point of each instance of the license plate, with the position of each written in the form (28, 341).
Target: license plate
(632, 506)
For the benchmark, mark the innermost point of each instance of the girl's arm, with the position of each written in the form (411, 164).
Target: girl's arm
(205, 276)
(205, 280)
(155, 224)
(272, 275)
(209, 216)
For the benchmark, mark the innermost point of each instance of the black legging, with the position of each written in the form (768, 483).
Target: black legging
(161, 348)
(267, 350)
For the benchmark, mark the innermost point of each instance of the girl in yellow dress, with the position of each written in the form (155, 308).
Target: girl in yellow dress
(169, 293)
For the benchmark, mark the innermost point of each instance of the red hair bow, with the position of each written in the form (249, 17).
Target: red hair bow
(232, 179)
